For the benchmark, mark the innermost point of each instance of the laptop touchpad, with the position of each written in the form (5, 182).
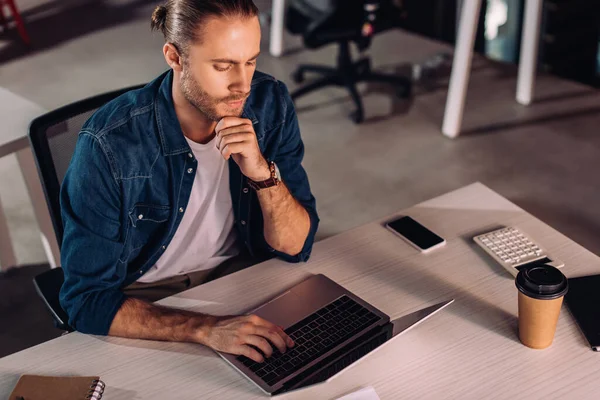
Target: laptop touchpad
(284, 310)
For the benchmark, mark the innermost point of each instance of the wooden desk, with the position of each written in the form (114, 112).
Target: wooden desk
(468, 351)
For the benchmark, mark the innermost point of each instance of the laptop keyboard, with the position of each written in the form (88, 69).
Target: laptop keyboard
(313, 336)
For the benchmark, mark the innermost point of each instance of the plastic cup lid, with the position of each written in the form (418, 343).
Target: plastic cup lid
(542, 281)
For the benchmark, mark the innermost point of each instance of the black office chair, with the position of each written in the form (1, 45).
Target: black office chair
(321, 22)
(53, 137)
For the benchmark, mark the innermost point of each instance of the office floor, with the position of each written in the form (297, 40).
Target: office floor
(543, 157)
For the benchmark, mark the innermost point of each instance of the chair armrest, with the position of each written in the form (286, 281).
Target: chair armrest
(47, 285)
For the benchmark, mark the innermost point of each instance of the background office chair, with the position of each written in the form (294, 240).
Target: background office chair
(321, 22)
(53, 137)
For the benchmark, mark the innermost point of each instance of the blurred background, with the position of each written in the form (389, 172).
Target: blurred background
(544, 156)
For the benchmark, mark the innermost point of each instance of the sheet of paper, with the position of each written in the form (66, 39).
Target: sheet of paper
(367, 393)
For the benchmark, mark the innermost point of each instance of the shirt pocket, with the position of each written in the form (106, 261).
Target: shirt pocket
(147, 225)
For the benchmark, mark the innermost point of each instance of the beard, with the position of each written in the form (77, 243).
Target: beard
(204, 102)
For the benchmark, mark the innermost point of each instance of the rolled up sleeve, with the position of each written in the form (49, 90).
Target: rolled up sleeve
(90, 207)
(289, 161)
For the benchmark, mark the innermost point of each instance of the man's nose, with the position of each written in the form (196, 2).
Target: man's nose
(243, 79)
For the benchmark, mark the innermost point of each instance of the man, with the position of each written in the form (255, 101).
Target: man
(185, 180)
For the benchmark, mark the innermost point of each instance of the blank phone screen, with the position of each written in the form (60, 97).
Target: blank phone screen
(415, 232)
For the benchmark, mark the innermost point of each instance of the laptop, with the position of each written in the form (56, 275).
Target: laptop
(331, 327)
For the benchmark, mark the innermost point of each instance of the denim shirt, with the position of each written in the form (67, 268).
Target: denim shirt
(128, 186)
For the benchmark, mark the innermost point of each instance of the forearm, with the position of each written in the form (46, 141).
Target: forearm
(286, 221)
(137, 319)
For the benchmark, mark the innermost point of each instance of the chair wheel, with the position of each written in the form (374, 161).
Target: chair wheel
(298, 76)
(357, 116)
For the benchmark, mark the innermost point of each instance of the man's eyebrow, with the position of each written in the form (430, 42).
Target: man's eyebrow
(229, 61)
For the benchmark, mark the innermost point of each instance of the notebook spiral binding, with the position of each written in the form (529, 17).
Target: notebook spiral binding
(96, 390)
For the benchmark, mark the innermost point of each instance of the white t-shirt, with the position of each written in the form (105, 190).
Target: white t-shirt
(206, 236)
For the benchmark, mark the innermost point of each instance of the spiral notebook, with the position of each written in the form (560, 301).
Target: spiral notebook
(36, 387)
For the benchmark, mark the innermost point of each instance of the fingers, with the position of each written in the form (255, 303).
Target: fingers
(227, 122)
(273, 328)
(232, 138)
(234, 129)
(251, 353)
(260, 343)
(273, 336)
(250, 336)
(279, 331)
(235, 133)
(288, 340)
(239, 134)
(233, 148)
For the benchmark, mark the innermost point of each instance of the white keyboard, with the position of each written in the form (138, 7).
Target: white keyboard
(513, 249)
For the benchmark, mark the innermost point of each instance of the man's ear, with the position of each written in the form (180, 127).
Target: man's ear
(172, 57)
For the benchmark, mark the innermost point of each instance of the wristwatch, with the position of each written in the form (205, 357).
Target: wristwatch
(272, 181)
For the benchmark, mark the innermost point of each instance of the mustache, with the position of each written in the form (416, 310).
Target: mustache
(236, 97)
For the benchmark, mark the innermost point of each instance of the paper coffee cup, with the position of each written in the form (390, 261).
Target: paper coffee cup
(541, 292)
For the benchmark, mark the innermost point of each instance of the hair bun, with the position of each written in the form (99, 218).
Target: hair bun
(159, 18)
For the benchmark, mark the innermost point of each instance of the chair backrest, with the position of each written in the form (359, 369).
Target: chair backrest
(301, 14)
(314, 19)
(53, 137)
(321, 22)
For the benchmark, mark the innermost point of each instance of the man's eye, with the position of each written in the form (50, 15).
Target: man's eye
(251, 63)
(222, 68)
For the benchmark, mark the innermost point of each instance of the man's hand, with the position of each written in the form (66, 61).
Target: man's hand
(236, 138)
(236, 335)
(137, 319)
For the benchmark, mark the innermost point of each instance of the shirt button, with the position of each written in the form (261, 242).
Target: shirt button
(141, 272)
(245, 190)
(190, 170)
(164, 247)
(140, 216)
(243, 222)
(190, 155)
(180, 209)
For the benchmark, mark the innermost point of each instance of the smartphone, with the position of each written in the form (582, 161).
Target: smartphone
(415, 234)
